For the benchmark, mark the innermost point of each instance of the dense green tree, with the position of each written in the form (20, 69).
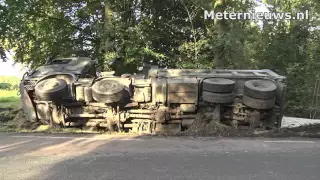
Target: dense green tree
(171, 33)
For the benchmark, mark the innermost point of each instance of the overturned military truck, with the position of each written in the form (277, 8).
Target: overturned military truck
(68, 93)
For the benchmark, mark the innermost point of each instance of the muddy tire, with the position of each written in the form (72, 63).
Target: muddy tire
(218, 85)
(107, 91)
(220, 98)
(261, 104)
(52, 89)
(260, 89)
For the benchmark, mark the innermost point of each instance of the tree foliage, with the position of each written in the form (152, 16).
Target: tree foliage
(171, 33)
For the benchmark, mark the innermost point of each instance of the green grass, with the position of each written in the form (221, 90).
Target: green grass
(10, 79)
(9, 98)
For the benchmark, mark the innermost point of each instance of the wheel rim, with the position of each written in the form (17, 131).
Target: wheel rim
(108, 86)
(258, 85)
(50, 84)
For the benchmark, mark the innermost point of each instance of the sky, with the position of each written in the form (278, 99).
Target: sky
(9, 68)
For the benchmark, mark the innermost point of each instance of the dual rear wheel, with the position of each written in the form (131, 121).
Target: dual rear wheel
(218, 90)
(258, 94)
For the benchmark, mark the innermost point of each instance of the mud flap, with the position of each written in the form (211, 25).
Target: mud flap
(27, 105)
(216, 113)
(57, 116)
(271, 121)
(281, 94)
(254, 120)
(45, 114)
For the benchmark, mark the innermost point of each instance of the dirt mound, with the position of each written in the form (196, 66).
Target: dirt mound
(205, 125)
(215, 128)
(7, 114)
(13, 120)
(311, 131)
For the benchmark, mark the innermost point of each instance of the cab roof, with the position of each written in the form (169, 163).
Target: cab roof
(74, 65)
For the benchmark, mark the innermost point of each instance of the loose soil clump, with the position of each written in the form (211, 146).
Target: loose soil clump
(13, 120)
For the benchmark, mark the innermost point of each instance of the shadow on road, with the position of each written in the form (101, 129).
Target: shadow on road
(77, 157)
(46, 153)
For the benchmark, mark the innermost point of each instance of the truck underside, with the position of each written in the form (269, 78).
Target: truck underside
(162, 101)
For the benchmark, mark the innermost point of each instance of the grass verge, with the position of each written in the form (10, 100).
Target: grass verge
(9, 99)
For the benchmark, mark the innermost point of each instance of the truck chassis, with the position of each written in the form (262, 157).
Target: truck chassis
(162, 100)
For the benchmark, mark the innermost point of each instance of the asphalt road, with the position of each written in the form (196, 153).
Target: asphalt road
(85, 157)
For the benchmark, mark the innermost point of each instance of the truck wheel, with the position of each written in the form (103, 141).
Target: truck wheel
(218, 85)
(260, 89)
(52, 89)
(217, 97)
(262, 104)
(107, 91)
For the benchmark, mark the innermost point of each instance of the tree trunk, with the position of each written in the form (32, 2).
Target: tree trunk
(107, 32)
(222, 27)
